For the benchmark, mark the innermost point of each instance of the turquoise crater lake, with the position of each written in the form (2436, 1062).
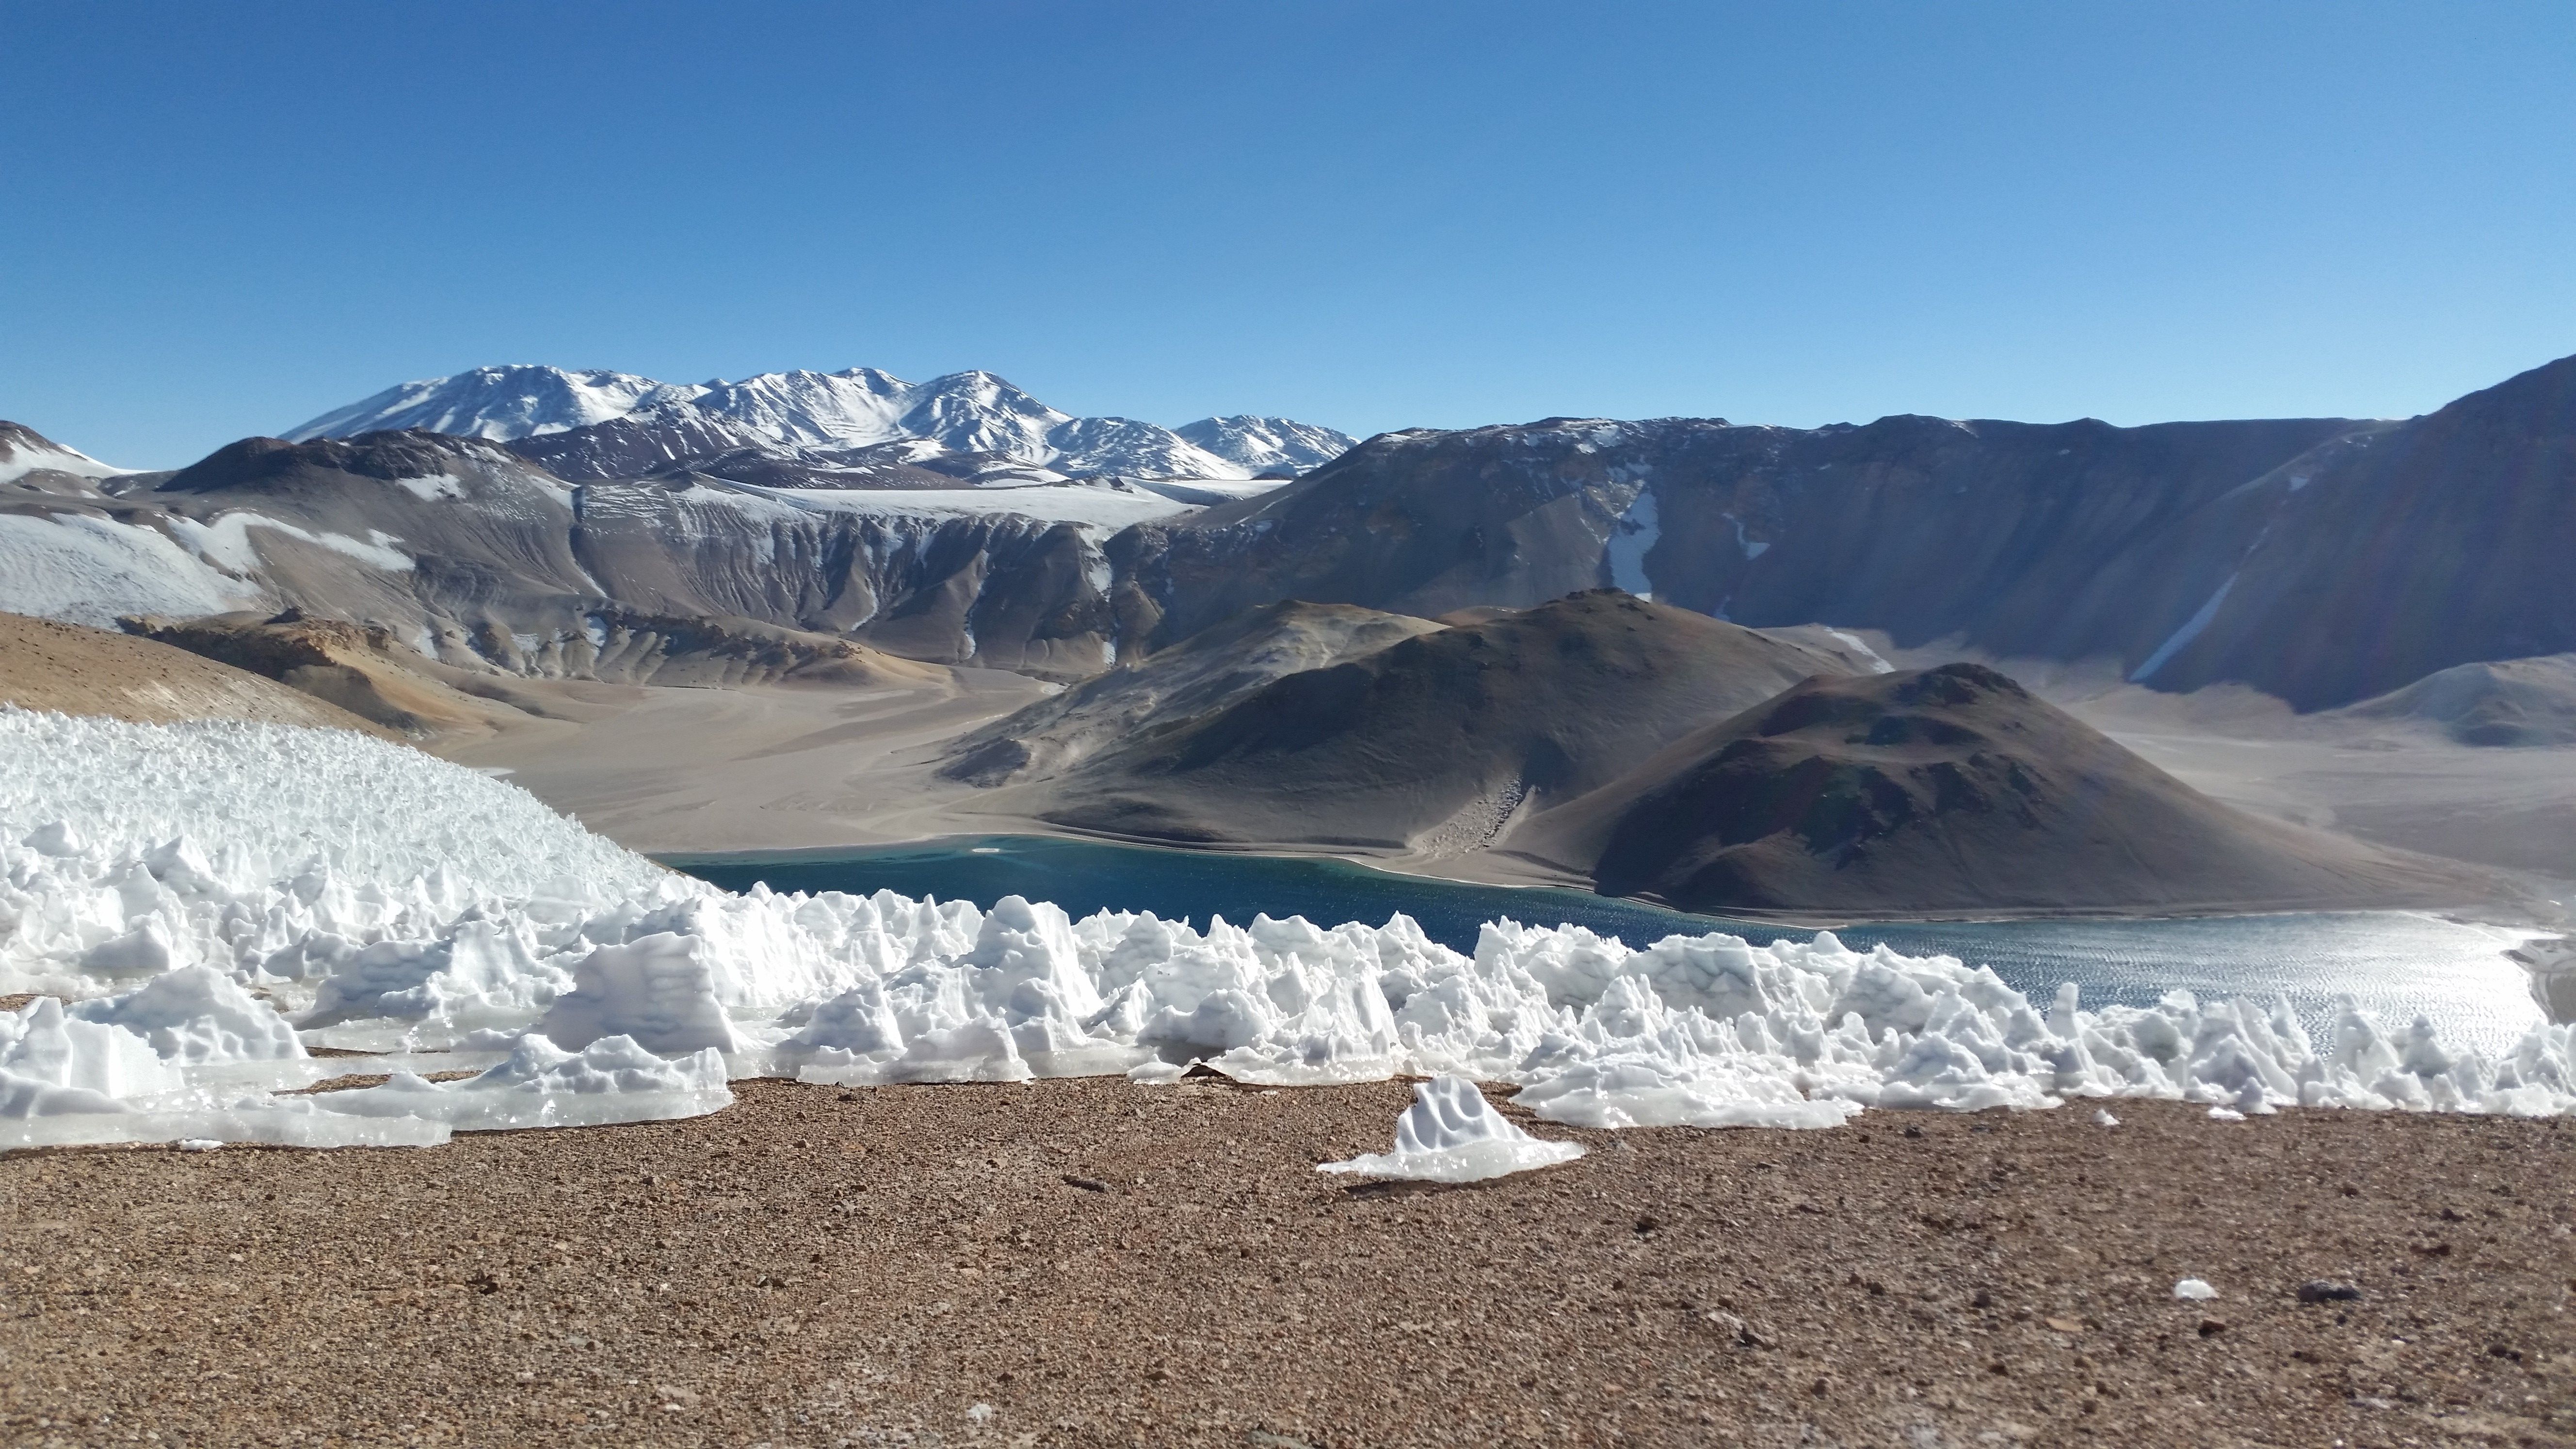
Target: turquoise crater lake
(2396, 964)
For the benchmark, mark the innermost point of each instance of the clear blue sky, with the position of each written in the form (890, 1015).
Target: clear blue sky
(220, 219)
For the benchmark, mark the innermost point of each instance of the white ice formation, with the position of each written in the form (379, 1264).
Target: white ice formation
(1452, 1134)
(541, 1085)
(177, 881)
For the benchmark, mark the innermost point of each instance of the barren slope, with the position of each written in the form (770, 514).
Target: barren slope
(72, 669)
(1437, 743)
(1206, 672)
(1950, 790)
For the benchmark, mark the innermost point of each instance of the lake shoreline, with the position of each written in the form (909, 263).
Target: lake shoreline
(1392, 867)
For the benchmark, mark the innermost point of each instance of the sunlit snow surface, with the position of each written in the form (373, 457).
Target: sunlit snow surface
(176, 881)
(1452, 1134)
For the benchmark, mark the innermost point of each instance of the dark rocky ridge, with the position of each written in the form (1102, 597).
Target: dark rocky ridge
(2023, 539)
(1947, 791)
(502, 549)
(2393, 552)
(2363, 555)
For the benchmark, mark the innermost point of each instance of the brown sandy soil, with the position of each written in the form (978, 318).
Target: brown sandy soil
(750, 767)
(73, 669)
(1091, 1262)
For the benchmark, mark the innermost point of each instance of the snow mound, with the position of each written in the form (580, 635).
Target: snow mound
(541, 1085)
(1452, 1134)
(196, 1014)
(178, 881)
(68, 1080)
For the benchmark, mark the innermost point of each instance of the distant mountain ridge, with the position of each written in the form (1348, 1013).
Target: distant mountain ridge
(596, 425)
(2321, 560)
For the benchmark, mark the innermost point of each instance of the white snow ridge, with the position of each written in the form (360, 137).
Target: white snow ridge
(217, 897)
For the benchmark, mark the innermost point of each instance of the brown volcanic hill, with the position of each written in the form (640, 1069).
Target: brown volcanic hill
(72, 669)
(1204, 673)
(1950, 791)
(1436, 744)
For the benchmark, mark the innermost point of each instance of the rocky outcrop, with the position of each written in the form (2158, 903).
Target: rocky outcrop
(2394, 551)
(2017, 538)
(367, 671)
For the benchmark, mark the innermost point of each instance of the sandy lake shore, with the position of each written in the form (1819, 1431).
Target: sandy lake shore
(1089, 1262)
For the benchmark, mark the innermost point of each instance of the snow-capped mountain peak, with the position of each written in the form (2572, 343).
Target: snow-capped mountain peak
(1267, 445)
(499, 403)
(664, 425)
(23, 450)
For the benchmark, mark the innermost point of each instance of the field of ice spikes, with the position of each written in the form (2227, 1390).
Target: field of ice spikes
(215, 898)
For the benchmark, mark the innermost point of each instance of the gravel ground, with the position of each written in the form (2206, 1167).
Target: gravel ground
(1090, 1262)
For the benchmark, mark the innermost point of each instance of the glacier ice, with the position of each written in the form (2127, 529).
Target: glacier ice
(1452, 1134)
(214, 898)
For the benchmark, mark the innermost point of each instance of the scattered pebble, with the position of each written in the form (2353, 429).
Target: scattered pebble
(2328, 1290)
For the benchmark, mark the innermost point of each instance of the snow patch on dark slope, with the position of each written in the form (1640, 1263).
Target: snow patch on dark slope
(24, 452)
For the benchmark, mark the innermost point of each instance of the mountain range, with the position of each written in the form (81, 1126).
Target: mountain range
(2320, 560)
(2323, 561)
(852, 428)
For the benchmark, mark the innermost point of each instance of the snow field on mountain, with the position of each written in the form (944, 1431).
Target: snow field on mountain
(176, 881)
(88, 570)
